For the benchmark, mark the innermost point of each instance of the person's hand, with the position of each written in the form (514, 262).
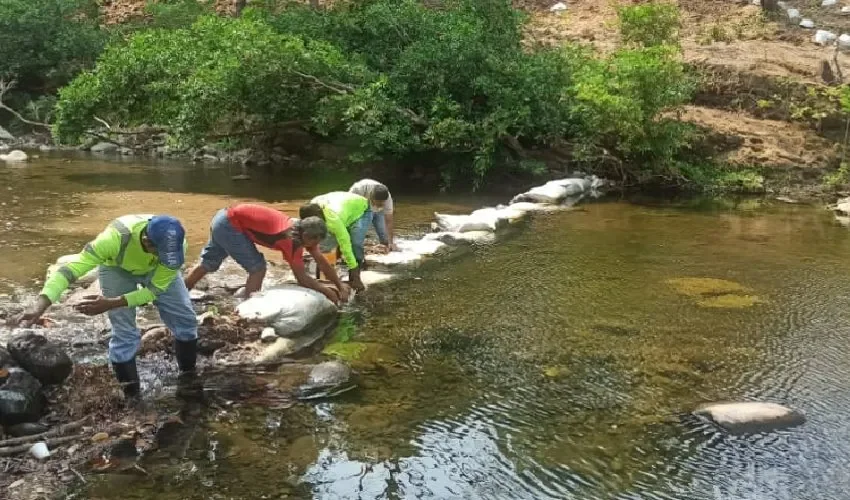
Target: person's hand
(344, 293)
(33, 314)
(331, 294)
(92, 305)
(26, 319)
(356, 284)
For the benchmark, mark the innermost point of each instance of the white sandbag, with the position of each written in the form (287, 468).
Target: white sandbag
(528, 207)
(823, 37)
(551, 192)
(467, 238)
(289, 309)
(828, 3)
(464, 223)
(370, 277)
(844, 41)
(793, 14)
(845, 10)
(15, 156)
(807, 23)
(558, 7)
(422, 247)
(502, 215)
(573, 186)
(84, 280)
(395, 259)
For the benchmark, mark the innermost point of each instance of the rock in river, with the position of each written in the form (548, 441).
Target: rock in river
(751, 417)
(45, 360)
(326, 380)
(21, 399)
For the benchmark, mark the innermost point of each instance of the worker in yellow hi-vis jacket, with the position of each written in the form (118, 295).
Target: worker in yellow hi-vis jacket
(138, 259)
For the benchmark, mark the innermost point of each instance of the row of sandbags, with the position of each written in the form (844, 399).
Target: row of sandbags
(293, 312)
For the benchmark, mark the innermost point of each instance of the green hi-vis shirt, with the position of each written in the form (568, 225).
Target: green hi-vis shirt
(119, 245)
(342, 209)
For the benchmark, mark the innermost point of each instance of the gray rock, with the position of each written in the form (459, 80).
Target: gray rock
(104, 148)
(21, 399)
(751, 417)
(45, 360)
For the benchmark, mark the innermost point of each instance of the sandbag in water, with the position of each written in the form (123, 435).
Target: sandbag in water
(467, 238)
(289, 309)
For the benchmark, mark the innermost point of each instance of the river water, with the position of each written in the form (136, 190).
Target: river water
(561, 363)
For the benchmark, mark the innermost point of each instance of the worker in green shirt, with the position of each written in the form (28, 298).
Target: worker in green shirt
(347, 216)
(138, 259)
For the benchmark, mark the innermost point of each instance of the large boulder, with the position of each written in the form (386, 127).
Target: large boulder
(290, 309)
(751, 417)
(15, 156)
(104, 148)
(21, 399)
(45, 360)
(6, 359)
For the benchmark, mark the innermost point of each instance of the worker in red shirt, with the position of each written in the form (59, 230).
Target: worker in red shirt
(236, 232)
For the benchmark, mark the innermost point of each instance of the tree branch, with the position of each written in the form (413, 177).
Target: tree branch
(6, 87)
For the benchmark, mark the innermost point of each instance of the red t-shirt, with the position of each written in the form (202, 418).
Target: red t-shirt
(263, 226)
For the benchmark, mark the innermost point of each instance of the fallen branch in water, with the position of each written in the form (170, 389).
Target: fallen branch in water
(51, 443)
(58, 431)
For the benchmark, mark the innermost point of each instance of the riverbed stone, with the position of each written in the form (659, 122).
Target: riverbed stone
(21, 399)
(751, 417)
(268, 335)
(45, 360)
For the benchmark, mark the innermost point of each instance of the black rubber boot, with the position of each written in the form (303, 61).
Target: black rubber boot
(128, 376)
(186, 354)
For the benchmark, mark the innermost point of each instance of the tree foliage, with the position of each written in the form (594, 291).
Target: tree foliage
(47, 42)
(397, 77)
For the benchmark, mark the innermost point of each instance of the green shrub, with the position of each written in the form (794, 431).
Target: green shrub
(398, 78)
(649, 24)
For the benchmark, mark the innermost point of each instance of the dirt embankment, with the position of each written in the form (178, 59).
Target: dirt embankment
(761, 93)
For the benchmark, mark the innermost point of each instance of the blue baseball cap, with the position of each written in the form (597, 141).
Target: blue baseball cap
(167, 235)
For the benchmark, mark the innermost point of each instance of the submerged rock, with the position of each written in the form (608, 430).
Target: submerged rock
(21, 399)
(326, 380)
(45, 360)
(751, 417)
